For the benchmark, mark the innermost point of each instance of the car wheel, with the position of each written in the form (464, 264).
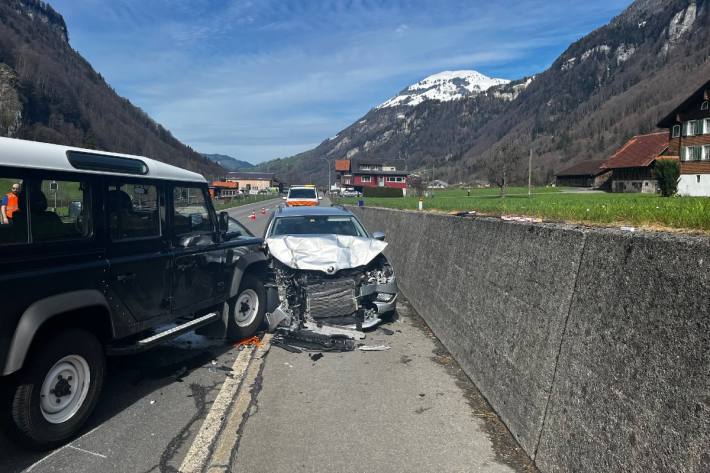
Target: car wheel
(58, 389)
(246, 311)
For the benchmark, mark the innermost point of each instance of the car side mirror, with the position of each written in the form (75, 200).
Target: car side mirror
(379, 236)
(223, 222)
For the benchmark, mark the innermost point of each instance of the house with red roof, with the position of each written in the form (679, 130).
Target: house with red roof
(632, 167)
(688, 128)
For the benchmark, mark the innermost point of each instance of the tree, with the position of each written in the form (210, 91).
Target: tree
(667, 173)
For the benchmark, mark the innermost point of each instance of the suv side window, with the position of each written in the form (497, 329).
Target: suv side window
(58, 210)
(10, 231)
(133, 211)
(191, 214)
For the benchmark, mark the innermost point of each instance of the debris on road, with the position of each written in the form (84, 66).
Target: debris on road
(251, 341)
(373, 348)
(316, 356)
(386, 331)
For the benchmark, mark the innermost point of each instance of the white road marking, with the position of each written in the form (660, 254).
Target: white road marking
(87, 451)
(41, 460)
(200, 449)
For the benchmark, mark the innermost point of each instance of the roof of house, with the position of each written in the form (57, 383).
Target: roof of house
(225, 184)
(669, 120)
(639, 151)
(35, 155)
(585, 168)
(254, 176)
(342, 165)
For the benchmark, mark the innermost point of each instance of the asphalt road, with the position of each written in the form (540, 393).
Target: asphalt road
(201, 405)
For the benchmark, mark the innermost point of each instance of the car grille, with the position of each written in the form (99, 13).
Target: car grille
(331, 298)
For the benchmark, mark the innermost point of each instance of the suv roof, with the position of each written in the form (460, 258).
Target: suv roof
(306, 211)
(35, 155)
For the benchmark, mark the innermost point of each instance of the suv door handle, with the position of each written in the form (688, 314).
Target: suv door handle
(126, 277)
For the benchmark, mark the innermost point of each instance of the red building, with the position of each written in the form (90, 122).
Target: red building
(356, 174)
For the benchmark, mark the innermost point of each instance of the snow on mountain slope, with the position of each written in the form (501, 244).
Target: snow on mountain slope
(444, 86)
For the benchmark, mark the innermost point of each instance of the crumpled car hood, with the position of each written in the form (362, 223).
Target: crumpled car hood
(327, 253)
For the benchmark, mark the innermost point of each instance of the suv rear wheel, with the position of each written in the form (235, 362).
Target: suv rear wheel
(58, 389)
(246, 311)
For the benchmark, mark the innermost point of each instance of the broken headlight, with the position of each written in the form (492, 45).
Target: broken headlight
(384, 297)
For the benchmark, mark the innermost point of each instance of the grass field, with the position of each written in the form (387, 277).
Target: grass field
(638, 210)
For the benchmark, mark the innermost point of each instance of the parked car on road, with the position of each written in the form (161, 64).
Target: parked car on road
(100, 250)
(328, 270)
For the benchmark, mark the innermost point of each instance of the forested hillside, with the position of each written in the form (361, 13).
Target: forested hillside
(49, 93)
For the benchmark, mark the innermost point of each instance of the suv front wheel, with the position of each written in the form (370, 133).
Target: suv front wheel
(58, 389)
(246, 311)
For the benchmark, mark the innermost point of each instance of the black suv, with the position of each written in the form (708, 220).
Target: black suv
(97, 250)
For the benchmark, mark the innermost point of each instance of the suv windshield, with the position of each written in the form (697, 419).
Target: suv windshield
(318, 225)
(302, 194)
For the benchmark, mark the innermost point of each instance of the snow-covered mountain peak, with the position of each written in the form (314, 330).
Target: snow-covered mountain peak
(444, 86)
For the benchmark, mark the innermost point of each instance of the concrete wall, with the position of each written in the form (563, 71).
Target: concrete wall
(592, 345)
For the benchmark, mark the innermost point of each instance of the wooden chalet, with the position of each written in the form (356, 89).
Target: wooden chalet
(689, 137)
(632, 167)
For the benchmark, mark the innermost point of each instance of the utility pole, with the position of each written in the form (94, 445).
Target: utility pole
(530, 174)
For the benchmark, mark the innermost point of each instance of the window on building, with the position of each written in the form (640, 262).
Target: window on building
(697, 178)
(191, 214)
(133, 211)
(705, 105)
(366, 179)
(692, 153)
(693, 127)
(705, 153)
(676, 131)
(395, 179)
(706, 126)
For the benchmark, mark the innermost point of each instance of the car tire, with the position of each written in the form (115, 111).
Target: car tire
(246, 311)
(72, 361)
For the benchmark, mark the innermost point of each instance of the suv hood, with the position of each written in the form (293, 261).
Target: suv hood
(327, 253)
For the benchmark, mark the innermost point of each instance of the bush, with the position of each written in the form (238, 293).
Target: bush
(667, 173)
(382, 192)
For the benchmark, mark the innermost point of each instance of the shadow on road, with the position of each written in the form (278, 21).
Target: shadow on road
(129, 379)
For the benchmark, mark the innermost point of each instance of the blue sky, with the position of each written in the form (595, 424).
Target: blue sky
(261, 79)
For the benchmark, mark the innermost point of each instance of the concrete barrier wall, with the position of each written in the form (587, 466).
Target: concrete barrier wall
(592, 345)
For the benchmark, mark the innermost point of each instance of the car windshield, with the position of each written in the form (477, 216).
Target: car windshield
(302, 194)
(318, 225)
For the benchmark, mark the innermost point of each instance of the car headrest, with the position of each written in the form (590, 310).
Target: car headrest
(38, 201)
(119, 200)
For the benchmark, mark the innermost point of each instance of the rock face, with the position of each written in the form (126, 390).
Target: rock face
(10, 105)
(49, 93)
(616, 82)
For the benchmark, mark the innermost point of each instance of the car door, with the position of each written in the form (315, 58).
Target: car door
(199, 279)
(139, 252)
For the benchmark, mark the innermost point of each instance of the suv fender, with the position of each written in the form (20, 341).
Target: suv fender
(40, 312)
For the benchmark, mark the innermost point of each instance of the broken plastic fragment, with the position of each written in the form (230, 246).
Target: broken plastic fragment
(373, 348)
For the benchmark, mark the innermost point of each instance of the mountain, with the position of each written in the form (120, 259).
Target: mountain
(444, 87)
(50, 93)
(229, 163)
(613, 83)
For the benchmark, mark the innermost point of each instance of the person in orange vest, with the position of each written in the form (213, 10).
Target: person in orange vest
(10, 204)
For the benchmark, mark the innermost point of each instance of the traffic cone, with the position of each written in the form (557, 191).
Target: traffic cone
(253, 215)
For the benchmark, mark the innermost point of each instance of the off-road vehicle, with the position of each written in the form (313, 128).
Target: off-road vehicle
(99, 250)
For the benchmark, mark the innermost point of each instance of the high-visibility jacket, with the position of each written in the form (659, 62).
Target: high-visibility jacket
(12, 204)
